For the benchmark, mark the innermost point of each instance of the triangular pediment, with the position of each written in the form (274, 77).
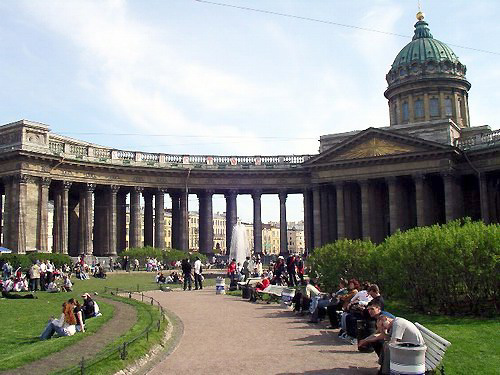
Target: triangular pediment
(376, 143)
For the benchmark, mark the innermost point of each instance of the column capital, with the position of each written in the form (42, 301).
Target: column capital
(138, 189)
(447, 174)
(391, 180)
(114, 188)
(363, 182)
(256, 194)
(45, 181)
(89, 187)
(282, 194)
(23, 178)
(147, 194)
(66, 185)
(338, 184)
(419, 176)
(160, 190)
(205, 193)
(231, 193)
(316, 188)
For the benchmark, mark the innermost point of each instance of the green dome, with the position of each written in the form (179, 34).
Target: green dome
(424, 48)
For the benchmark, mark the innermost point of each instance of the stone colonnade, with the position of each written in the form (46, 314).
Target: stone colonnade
(91, 219)
(375, 208)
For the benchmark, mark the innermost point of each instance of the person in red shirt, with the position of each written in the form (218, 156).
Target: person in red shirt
(231, 271)
(261, 285)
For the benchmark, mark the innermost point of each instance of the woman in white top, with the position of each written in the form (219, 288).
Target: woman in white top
(64, 326)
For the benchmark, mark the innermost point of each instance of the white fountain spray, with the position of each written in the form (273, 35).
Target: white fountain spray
(240, 248)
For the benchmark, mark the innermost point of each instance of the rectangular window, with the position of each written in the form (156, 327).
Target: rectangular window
(447, 107)
(434, 107)
(419, 108)
(405, 111)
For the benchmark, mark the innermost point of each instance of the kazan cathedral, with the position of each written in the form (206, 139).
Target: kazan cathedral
(428, 166)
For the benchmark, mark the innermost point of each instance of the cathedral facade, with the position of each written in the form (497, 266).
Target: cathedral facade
(428, 166)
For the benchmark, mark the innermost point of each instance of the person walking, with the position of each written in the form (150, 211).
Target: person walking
(245, 270)
(186, 270)
(198, 278)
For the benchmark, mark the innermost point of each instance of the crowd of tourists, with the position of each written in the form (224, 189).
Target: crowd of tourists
(356, 309)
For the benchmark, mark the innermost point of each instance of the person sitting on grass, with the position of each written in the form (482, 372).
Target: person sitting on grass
(52, 287)
(161, 278)
(8, 288)
(260, 286)
(67, 284)
(78, 311)
(90, 308)
(64, 326)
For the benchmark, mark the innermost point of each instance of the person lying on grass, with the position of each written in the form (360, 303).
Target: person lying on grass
(64, 326)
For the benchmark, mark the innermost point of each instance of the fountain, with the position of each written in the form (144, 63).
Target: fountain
(240, 248)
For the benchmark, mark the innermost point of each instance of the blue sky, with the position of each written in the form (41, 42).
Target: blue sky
(193, 78)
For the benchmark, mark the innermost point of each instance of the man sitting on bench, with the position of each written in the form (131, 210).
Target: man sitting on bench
(260, 286)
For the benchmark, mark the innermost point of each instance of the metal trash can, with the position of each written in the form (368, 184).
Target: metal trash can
(407, 358)
(286, 297)
(220, 285)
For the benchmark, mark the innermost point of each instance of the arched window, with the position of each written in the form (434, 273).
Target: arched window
(434, 107)
(419, 108)
(405, 111)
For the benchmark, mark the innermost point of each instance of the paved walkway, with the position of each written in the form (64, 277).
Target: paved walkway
(228, 335)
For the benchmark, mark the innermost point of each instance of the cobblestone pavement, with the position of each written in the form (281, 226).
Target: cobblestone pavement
(228, 335)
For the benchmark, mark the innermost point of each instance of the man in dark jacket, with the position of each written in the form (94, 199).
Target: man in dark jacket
(186, 270)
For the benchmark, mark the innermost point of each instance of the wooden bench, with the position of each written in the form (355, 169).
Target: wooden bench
(273, 291)
(436, 347)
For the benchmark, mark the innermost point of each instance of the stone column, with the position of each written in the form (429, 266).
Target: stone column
(332, 216)
(184, 218)
(86, 219)
(308, 221)
(56, 221)
(176, 220)
(160, 219)
(64, 218)
(206, 223)
(17, 214)
(394, 209)
(340, 210)
(43, 219)
(317, 216)
(427, 111)
(283, 224)
(148, 218)
(135, 218)
(7, 181)
(112, 220)
(231, 216)
(324, 215)
(484, 198)
(421, 200)
(1, 217)
(451, 197)
(257, 221)
(365, 209)
(121, 221)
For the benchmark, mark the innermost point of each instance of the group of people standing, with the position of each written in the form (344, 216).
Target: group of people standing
(190, 271)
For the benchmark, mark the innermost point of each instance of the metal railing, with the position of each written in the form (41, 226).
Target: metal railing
(85, 365)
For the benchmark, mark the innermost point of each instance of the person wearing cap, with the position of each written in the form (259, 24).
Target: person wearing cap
(279, 268)
(88, 307)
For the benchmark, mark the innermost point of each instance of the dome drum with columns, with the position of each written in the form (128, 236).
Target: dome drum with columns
(427, 82)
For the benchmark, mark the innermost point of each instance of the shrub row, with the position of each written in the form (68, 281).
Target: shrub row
(169, 255)
(450, 268)
(26, 260)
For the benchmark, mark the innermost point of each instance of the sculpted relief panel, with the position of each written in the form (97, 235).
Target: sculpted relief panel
(376, 147)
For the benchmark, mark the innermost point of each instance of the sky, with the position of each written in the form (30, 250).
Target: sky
(191, 77)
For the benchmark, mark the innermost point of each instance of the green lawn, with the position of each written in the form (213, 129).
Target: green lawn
(22, 321)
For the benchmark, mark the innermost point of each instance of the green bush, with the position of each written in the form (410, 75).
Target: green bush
(168, 255)
(26, 260)
(344, 258)
(450, 268)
